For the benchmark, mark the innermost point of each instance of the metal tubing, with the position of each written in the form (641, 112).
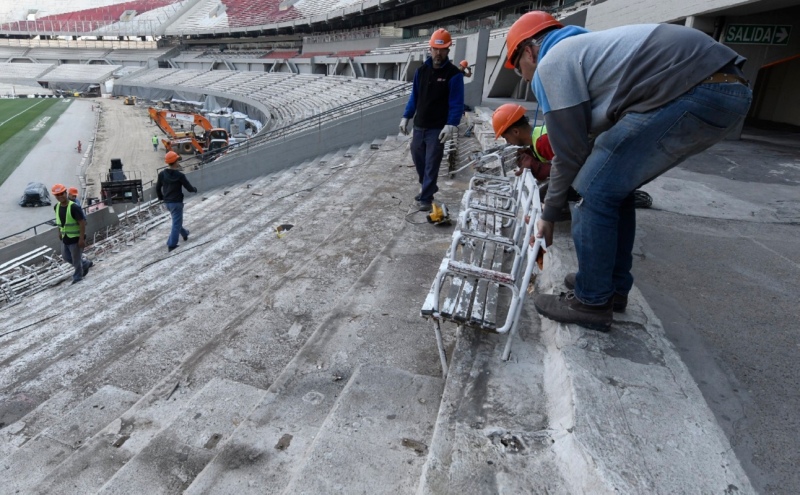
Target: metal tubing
(440, 344)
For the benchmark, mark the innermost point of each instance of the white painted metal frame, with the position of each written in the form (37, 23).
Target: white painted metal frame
(527, 212)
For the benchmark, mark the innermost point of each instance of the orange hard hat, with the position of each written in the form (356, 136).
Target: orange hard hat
(58, 189)
(171, 158)
(504, 116)
(464, 64)
(441, 39)
(72, 191)
(527, 26)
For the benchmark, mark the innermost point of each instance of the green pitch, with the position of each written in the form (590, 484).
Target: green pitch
(23, 122)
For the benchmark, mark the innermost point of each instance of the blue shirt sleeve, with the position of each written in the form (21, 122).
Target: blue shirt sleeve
(538, 91)
(456, 103)
(411, 106)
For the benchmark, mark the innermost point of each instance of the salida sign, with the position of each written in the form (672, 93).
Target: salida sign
(757, 34)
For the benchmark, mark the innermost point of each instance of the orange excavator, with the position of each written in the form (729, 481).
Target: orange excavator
(212, 139)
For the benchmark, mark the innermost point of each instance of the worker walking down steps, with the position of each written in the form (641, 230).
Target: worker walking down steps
(169, 188)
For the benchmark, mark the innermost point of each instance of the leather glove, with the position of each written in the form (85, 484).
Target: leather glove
(446, 133)
(404, 126)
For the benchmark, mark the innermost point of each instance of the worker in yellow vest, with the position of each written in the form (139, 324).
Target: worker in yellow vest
(510, 123)
(71, 224)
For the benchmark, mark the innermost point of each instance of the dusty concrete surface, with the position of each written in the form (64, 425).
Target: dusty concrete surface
(717, 259)
(124, 132)
(297, 315)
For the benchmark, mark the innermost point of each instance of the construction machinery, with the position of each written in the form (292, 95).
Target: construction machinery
(129, 100)
(212, 139)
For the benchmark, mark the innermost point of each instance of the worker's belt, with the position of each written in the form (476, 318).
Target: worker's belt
(721, 77)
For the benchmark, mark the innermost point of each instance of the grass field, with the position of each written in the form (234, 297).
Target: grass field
(23, 122)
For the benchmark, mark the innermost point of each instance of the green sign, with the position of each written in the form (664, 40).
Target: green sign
(757, 34)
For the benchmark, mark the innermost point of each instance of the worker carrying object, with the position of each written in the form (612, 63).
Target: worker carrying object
(436, 105)
(658, 93)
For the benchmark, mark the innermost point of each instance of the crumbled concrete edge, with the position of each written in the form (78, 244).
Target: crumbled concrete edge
(666, 449)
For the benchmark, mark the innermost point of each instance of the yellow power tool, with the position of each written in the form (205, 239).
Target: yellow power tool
(438, 215)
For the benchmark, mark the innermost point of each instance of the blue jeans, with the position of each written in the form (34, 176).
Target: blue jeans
(427, 152)
(73, 254)
(176, 210)
(637, 149)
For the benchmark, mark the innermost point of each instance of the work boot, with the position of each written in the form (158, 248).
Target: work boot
(619, 302)
(566, 308)
(186, 237)
(86, 267)
(424, 206)
(170, 248)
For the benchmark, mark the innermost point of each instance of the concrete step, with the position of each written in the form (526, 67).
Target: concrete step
(130, 277)
(18, 429)
(374, 439)
(492, 433)
(375, 322)
(162, 414)
(128, 280)
(34, 460)
(175, 456)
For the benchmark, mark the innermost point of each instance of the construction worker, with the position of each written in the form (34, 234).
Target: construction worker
(623, 106)
(71, 224)
(169, 188)
(464, 68)
(72, 195)
(510, 123)
(436, 105)
(155, 142)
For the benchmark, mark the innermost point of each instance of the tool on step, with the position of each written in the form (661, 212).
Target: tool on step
(438, 215)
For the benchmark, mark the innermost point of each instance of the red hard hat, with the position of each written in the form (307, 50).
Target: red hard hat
(171, 158)
(504, 116)
(58, 189)
(526, 27)
(440, 39)
(72, 191)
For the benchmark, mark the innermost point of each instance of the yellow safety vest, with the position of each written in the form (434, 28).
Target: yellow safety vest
(538, 132)
(70, 227)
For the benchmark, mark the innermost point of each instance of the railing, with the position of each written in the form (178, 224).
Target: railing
(49, 223)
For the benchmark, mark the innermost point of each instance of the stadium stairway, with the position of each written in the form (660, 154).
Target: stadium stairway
(256, 361)
(233, 341)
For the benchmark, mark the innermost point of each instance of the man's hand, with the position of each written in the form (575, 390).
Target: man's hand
(447, 131)
(81, 243)
(545, 229)
(404, 126)
(525, 160)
